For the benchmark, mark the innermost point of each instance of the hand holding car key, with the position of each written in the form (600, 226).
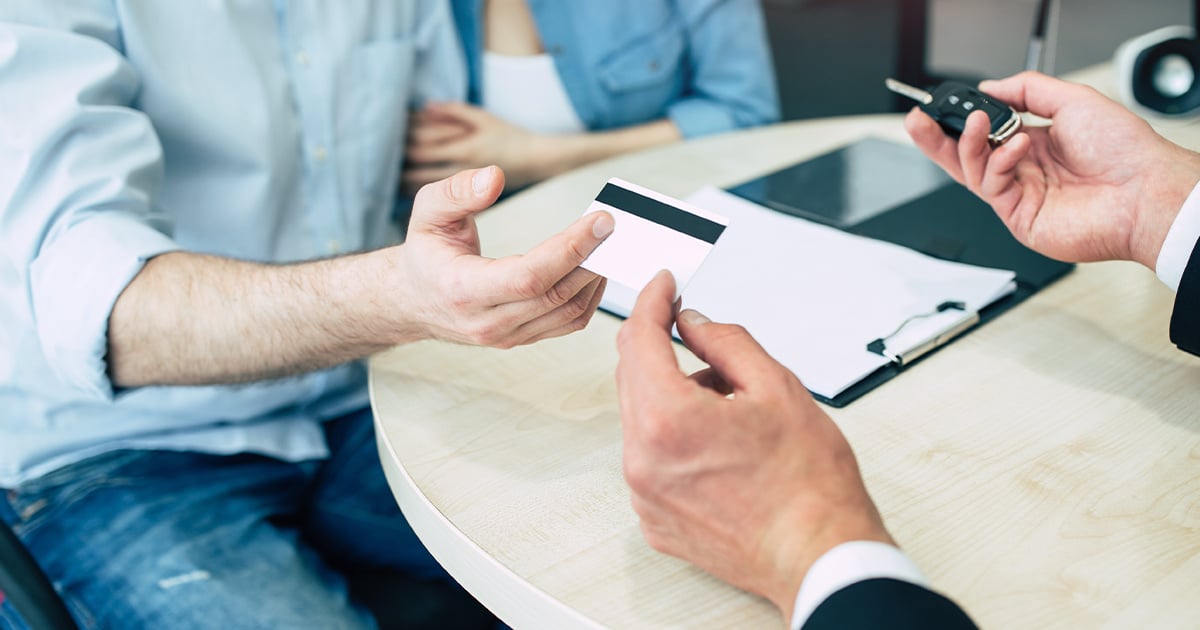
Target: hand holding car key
(951, 103)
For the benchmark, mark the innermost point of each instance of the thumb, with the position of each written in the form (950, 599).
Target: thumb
(1034, 92)
(445, 203)
(728, 348)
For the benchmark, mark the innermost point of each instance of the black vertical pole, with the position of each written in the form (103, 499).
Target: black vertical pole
(912, 47)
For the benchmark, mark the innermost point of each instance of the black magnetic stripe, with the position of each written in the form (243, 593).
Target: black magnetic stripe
(1185, 319)
(660, 213)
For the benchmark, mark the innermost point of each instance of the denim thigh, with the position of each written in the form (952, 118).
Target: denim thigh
(153, 539)
(352, 515)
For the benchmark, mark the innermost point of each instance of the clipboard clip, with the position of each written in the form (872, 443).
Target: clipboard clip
(928, 343)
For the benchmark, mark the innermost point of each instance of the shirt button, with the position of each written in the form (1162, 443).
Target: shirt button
(302, 58)
(319, 154)
(334, 246)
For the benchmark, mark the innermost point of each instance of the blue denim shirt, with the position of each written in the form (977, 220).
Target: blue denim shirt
(268, 131)
(705, 64)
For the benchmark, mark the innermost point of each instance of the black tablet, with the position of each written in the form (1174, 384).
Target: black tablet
(848, 185)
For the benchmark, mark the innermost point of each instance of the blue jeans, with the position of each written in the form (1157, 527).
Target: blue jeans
(159, 539)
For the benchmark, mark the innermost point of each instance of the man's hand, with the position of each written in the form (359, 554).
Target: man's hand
(450, 292)
(191, 319)
(446, 138)
(734, 468)
(1097, 184)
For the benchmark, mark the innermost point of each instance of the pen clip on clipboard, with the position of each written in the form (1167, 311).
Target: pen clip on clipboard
(902, 352)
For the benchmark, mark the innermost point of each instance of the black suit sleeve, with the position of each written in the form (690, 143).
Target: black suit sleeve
(887, 603)
(1185, 320)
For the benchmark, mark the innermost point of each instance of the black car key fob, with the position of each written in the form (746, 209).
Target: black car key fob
(951, 103)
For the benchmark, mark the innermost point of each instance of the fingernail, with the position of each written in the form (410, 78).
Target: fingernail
(693, 318)
(985, 86)
(482, 180)
(603, 225)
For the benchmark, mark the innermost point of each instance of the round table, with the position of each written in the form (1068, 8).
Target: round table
(1043, 471)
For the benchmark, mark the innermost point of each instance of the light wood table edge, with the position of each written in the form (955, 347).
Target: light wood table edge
(495, 586)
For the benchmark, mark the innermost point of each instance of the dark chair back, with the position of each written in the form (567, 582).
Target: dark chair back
(26, 587)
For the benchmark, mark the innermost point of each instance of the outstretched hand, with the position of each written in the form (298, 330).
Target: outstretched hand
(735, 468)
(453, 293)
(1096, 184)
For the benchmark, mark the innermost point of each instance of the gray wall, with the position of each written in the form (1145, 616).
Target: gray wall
(988, 37)
(832, 55)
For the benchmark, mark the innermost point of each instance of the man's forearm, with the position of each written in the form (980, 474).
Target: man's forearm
(191, 319)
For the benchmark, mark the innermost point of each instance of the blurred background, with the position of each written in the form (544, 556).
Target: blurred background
(831, 55)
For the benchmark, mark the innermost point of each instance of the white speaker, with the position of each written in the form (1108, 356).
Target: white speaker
(1158, 74)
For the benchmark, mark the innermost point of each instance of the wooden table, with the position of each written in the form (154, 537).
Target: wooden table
(1044, 471)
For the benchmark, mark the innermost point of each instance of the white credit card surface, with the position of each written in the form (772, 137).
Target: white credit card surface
(652, 232)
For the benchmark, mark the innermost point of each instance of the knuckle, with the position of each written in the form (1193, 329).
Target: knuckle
(577, 307)
(779, 391)
(792, 383)
(660, 434)
(527, 284)
(496, 330)
(458, 187)
(1026, 76)
(637, 475)
(558, 295)
(483, 333)
(796, 390)
(576, 250)
(657, 541)
(426, 195)
(581, 322)
(724, 333)
(458, 293)
(737, 330)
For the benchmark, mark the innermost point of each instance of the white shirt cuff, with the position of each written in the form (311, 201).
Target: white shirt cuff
(847, 564)
(1180, 241)
(76, 280)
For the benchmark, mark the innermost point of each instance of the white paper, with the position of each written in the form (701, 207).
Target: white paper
(815, 296)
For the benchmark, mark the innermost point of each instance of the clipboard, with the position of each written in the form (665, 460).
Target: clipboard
(919, 208)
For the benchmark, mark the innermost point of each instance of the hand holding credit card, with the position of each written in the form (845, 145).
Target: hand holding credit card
(653, 232)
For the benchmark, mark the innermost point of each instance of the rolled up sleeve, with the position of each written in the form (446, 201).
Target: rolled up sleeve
(79, 168)
(733, 78)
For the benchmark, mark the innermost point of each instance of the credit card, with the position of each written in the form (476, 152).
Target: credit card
(652, 232)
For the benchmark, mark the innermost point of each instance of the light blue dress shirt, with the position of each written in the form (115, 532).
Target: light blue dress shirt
(268, 131)
(704, 64)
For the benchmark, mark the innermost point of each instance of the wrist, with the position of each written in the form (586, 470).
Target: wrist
(388, 302)
(1168, 187)
(561, 153)
(798, 550)
(534, 157)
